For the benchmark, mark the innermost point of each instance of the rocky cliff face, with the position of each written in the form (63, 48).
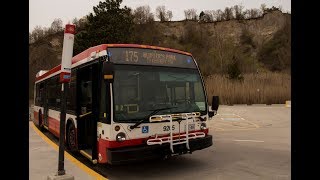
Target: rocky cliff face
(46, 53)
(262, 28)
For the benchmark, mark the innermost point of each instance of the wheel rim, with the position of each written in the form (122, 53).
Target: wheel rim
(72, 137)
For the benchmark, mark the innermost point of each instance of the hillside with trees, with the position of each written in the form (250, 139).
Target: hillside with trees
(237, 49)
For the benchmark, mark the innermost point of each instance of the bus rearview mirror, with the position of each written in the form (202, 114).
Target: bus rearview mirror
(214, 106)
(215, 103)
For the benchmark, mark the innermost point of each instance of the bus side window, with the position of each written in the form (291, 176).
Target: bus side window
(40, 93)
(37, 95)
(71, 98)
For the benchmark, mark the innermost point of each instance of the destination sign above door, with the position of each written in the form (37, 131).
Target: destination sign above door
(141, 56)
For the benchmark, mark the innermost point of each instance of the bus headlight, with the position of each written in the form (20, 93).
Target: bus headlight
(203, 126)
(121, 137)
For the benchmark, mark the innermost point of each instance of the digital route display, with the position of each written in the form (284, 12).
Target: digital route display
(141, 56)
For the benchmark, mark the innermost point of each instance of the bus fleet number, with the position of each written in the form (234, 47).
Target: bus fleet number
(167, 128)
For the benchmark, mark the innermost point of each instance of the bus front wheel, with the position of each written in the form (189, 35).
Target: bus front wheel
(71, 137)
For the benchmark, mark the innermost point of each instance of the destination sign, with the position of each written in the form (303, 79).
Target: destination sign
(152, 57)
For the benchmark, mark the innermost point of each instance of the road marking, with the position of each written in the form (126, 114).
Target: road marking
(68, 156)
(217, 128)
(247, 140)
(231, 119)
(226, 114)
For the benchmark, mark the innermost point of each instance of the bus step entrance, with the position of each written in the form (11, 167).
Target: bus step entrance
(88, 154)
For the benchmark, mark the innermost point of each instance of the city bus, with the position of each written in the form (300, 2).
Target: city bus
(127, 103)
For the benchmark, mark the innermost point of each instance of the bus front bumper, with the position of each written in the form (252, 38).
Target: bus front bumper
(142, 153)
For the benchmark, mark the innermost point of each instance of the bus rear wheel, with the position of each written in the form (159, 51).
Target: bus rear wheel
(71, 137)
(40, 121)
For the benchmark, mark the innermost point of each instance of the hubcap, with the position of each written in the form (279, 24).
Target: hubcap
(72, 140)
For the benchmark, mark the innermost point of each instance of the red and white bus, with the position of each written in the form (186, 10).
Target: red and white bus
(128, 102)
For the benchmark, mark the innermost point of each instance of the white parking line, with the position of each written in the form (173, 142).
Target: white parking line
(226, 114)
(246, 140)
(231, 119)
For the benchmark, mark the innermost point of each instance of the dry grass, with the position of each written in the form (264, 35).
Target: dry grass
(262, 88)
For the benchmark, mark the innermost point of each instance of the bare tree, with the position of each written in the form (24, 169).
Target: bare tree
(75, 21)
(254, 13)
(56, 25)
(246, 14)
(238, 12)
(187, 14)
(169, 15)
(161, 13)
(210, 15)
(263, 7)
(219, 15)
(228, 14)
(191, 14)
(143, 15)
(37, 33)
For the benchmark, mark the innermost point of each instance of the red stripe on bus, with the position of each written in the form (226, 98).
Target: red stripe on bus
(36, 117)
(75, 59)
(53, 70)
(88, 52)
(102, 153)
(54, 126)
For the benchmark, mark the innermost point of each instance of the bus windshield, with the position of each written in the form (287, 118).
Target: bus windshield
(138, 90)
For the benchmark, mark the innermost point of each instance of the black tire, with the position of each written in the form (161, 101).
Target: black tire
(40, 121)
(71, 137)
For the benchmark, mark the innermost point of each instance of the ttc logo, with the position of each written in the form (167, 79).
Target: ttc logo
(145, 129)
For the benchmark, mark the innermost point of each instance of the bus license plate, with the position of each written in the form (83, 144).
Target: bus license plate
(191, 127)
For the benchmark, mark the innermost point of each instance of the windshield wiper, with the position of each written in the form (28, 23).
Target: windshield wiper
(154, 111)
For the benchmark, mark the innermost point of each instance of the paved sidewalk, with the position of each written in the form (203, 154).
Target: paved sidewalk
(43, 159)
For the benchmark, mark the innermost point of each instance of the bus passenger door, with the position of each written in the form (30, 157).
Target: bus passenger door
(87, 109)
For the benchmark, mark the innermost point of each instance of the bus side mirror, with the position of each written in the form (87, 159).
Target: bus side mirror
(214, 106)
(108, 71)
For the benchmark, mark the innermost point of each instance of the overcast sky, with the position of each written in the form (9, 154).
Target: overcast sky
(43, 12)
